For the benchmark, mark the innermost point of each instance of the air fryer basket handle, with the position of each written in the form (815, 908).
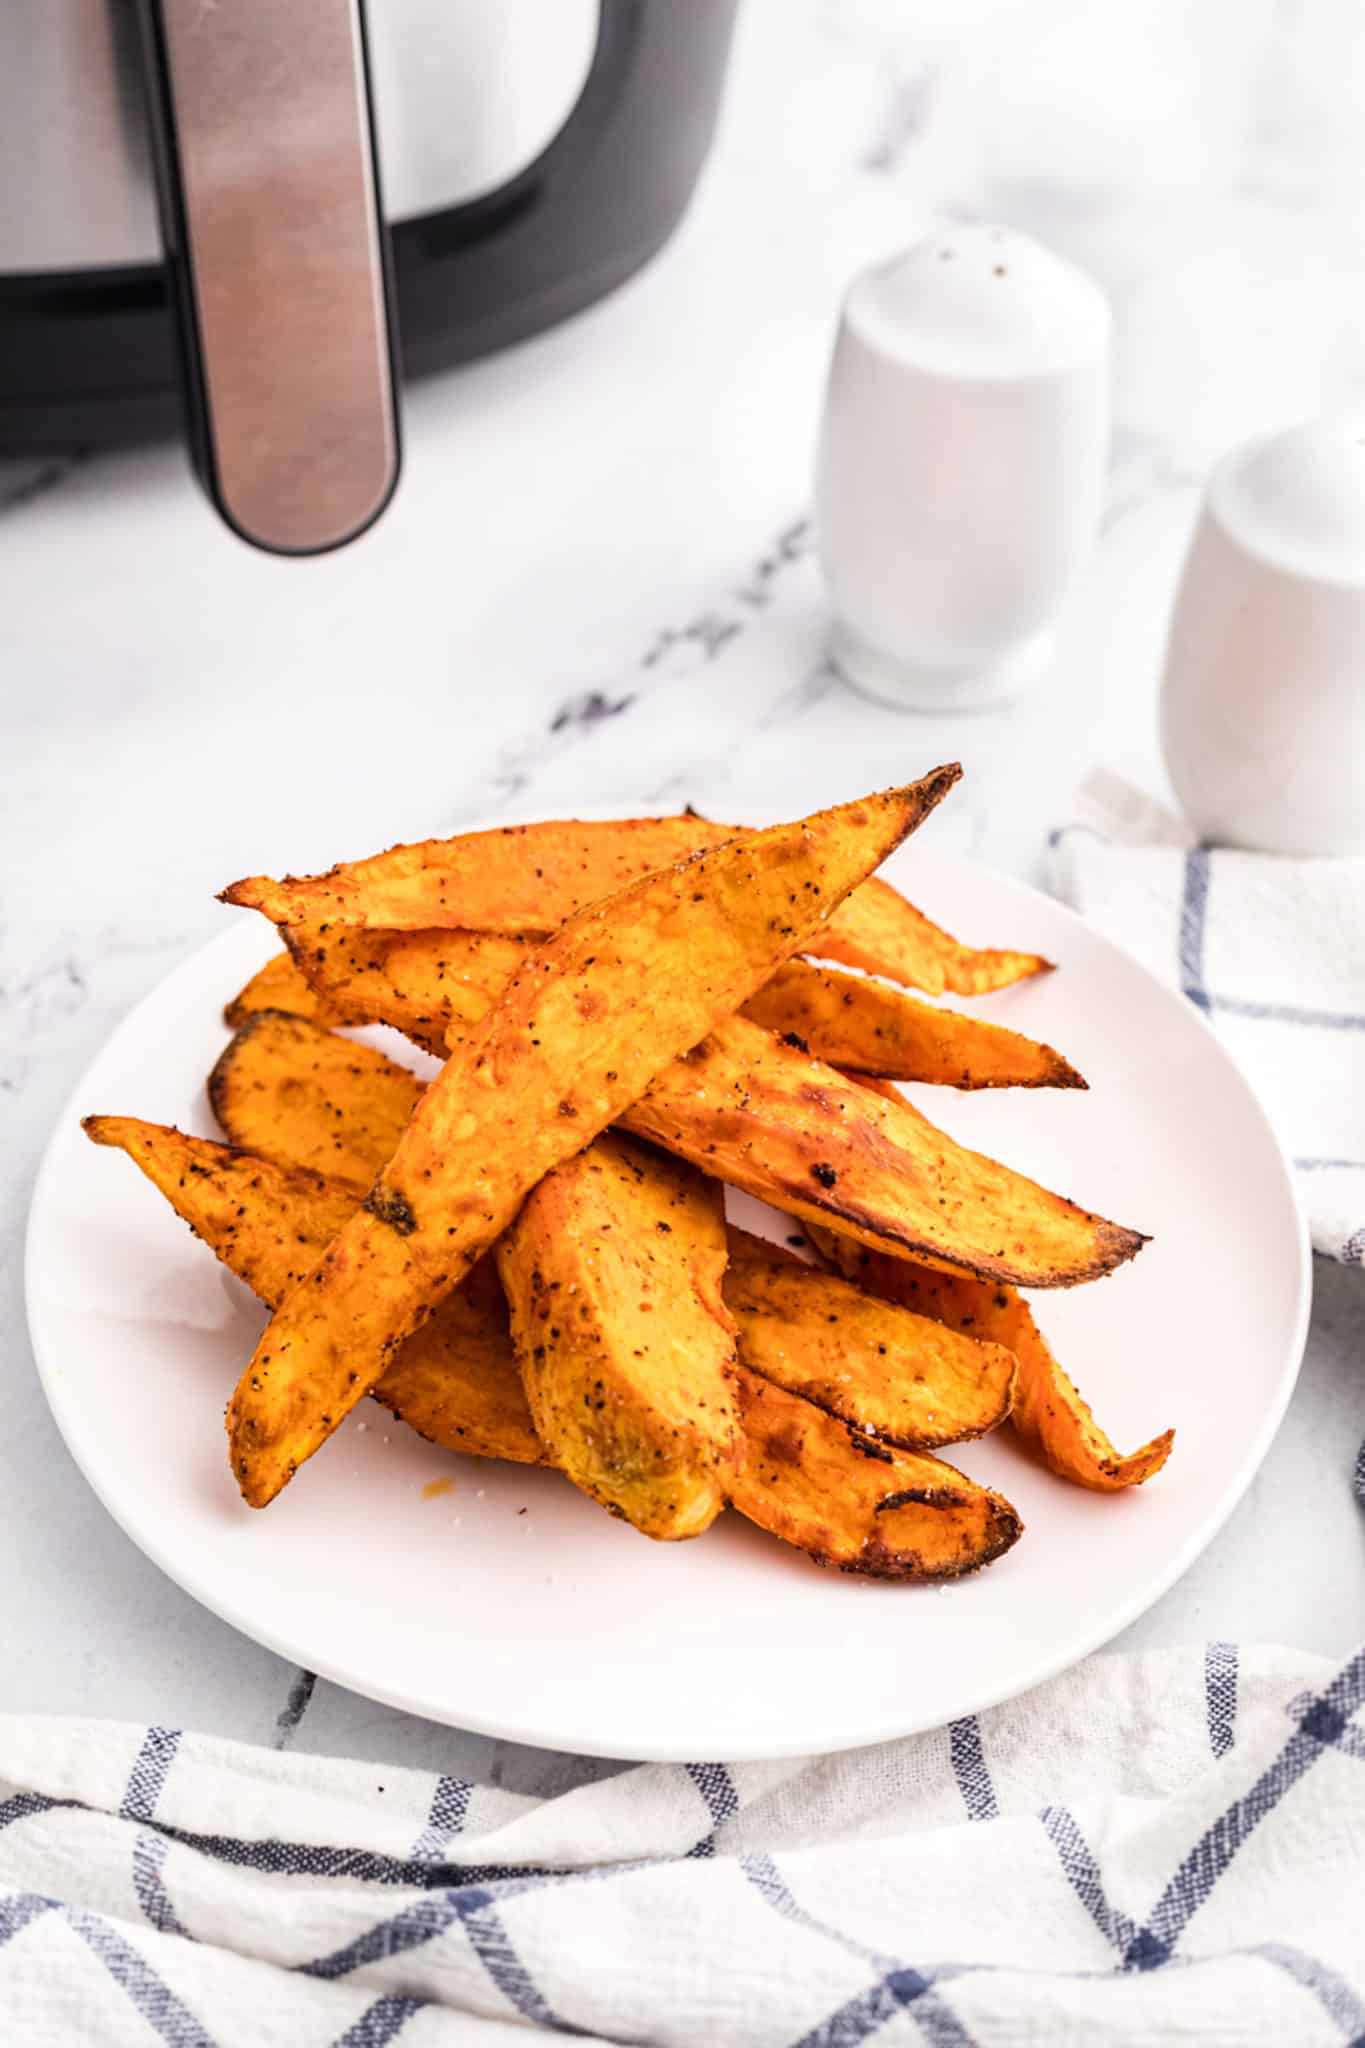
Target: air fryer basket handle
(277, 250)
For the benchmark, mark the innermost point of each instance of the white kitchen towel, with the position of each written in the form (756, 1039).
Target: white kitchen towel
(1271, 950)
(1156, 1848)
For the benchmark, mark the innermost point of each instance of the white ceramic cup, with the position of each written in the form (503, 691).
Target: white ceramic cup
(961, 464)
(1263, 702)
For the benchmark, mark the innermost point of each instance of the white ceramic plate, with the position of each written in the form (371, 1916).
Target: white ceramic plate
(514, 1606)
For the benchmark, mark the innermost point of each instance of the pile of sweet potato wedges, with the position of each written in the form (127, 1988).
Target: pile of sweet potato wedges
(528, 1257)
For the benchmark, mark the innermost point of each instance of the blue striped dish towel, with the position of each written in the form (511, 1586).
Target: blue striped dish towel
(1155, 1848)
(1272, 950)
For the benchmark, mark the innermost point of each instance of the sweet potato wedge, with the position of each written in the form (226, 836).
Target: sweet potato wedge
(280, 986)
(612, 1272)
(617, 993)
(288, 1090)
(864, 1027)
(1049, 1414)
(512, 878)
(454, 1381)
(431, 985)
(850, 1502)
(529, 878)
(428, 984)
(768, 1119)
(883, 934)
(902, 1379)
(261, 1218)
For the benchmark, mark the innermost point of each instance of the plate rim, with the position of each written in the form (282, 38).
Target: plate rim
(582, 1743)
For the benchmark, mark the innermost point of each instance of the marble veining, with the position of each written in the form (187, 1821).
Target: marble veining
(597, 587)
(673, 656)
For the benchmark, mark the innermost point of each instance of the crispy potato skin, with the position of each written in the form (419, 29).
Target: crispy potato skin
(612, 1272)
(432, 984)
(902, 1379)
(530, 878)
(1049, 1414)
(455, 1381)
(784, 1127)
(864, 1027)
(856, 1504)
(276, 1092)
(576, 1037)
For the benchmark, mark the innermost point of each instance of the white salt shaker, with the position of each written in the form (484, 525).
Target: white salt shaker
(961, 464)
(1263, 702)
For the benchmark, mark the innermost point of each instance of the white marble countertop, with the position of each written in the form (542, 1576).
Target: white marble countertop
(595, 586)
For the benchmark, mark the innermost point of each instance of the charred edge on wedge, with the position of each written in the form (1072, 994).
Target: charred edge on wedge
(1115, 1244)
(217, 1084)
(879, 1560)
(388, 1206)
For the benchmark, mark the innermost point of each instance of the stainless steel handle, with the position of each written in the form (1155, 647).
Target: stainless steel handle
(276, 244)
